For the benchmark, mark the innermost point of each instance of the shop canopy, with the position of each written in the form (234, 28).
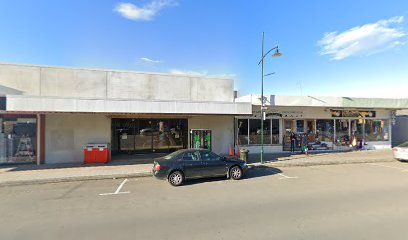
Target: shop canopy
(333, 102)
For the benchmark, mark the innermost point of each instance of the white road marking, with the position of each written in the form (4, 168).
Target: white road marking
(283, 176)
(117, 190)
(381, 165)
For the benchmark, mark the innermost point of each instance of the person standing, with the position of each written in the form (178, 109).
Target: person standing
(292, 141)
(305, 143)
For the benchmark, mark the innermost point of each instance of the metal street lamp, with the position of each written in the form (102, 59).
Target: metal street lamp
(263, 107)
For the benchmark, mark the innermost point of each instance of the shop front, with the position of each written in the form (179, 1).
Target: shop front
(135, 135)
(134, 115)
(18, 139)
(334, 127)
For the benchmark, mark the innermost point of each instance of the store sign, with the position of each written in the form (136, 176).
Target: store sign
(353, 113)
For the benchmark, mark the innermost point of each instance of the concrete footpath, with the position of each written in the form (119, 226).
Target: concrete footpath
(31, 174)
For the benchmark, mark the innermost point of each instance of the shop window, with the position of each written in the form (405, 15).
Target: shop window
(255, 131)
(148, 135)
(18, 139)
(300, 126)
(357, 126)
(324, 130)
(376, 130)
(342, 132)
(242, 131)
(275, 131)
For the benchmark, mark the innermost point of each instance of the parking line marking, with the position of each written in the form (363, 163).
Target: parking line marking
(381, 165)
(117, 190)
(283, 176)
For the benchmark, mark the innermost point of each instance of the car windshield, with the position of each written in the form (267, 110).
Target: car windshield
(172, 155)
(405, 145)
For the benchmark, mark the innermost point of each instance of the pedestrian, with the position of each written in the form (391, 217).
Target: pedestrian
(305, 143)
(292, 141)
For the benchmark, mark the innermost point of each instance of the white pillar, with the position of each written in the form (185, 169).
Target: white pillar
(38, 139)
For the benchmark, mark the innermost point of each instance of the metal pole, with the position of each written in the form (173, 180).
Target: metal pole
(262, 102)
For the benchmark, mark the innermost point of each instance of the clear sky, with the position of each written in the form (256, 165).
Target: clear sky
(330, 48)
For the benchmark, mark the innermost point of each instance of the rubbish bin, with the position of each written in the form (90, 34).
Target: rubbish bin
(89, 155)
(96, 153)
(244, 154)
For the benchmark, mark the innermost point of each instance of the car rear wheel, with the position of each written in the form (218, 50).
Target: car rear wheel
(176, 178)
(235, 173)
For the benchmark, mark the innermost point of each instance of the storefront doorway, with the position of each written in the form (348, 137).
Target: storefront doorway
(18, 135)
(132, 136)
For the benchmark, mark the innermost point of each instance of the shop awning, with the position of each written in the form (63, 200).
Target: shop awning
(333, 102)
(19, 103)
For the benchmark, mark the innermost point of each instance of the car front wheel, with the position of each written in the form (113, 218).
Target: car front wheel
(176, 178)
(236, 173)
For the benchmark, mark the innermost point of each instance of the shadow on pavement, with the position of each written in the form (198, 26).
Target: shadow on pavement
(254, 172)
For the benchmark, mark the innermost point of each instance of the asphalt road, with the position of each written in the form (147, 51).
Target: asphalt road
(356, 201)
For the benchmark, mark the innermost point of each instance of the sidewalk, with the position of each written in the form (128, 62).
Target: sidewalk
(30, 174)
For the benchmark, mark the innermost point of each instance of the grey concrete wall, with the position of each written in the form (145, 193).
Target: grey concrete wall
(66, 134)
(19, 80)
(110, 84)
(222, 130)
(400, 130)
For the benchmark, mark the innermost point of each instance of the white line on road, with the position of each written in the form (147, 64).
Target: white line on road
(381, 165)
(283, 176)
(117, 190)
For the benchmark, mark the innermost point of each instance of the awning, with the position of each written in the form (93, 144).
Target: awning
(19, 103)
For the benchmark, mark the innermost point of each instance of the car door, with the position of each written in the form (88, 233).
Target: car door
(192, 165)
(214, 165)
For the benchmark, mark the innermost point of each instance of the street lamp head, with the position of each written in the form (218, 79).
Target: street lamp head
(277, 53)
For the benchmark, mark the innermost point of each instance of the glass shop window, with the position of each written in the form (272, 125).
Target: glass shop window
(18, 137)
(376, 130)
(324, 130)
(243, 131)
(275, 131)
(342, 132)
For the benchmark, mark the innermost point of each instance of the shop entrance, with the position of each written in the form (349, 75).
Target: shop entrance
(135, 136)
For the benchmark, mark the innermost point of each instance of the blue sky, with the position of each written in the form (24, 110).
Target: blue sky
(332, 48)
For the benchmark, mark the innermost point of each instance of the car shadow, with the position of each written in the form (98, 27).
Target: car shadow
(252, 172)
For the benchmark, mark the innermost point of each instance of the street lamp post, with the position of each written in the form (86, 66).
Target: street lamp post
(276, 54)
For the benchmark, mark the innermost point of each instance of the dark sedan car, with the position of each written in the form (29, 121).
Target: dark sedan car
(196, 163)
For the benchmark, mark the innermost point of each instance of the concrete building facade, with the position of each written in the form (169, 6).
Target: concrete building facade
(319, 123)
(49, 114)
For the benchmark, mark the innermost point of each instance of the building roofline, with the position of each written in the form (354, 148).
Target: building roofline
(112, 70)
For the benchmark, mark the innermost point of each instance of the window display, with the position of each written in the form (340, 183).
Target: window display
(148, 135)
(300, 126)
(249, 131)
(376, 130)
(275, 131)
(242, 132)
(324, 130)
(342, 132)
(255, 131)
(18, 139)
(357, 126)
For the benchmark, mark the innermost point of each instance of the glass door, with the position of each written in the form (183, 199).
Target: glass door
(310, 130)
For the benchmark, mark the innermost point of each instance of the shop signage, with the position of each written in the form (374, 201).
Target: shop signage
(353, 113)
